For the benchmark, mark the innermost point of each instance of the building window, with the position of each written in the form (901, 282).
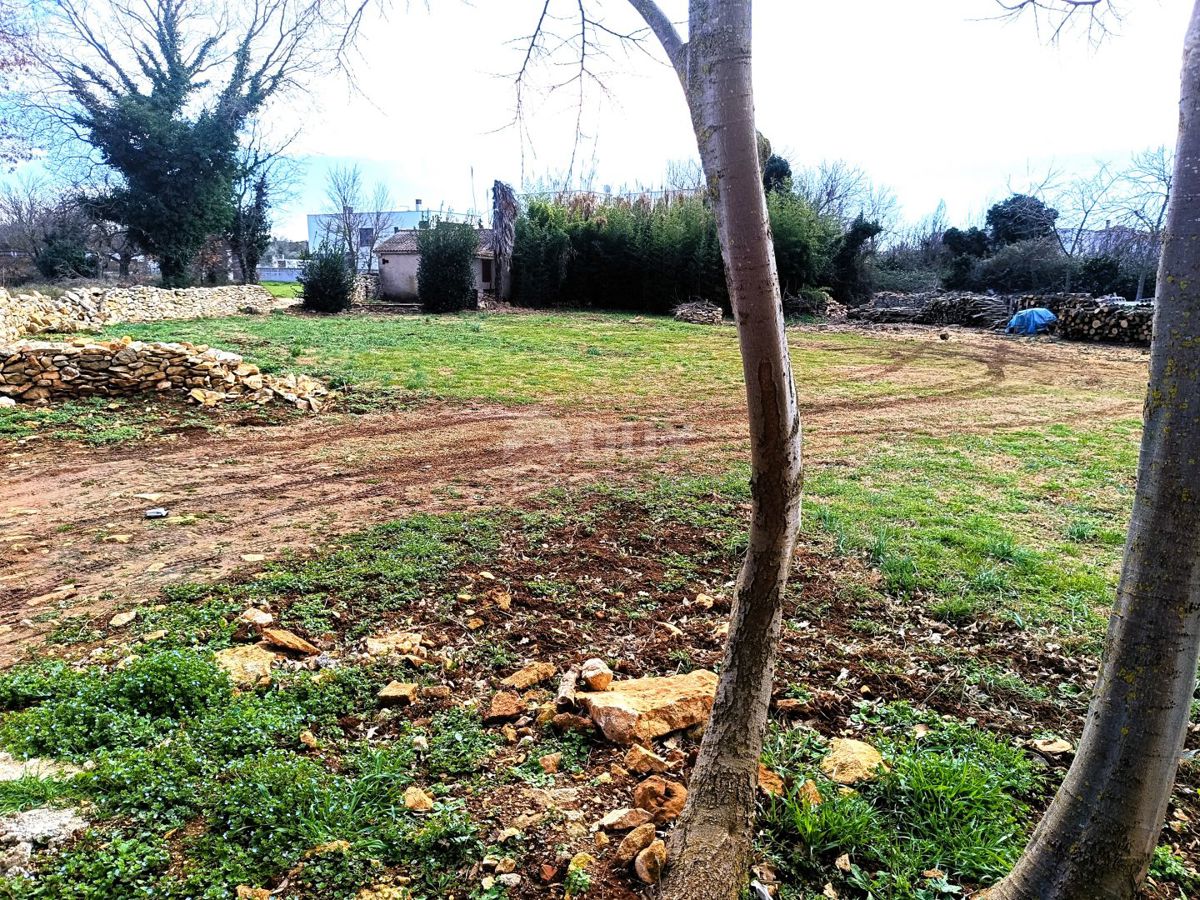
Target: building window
(366, 237)
(487, 271)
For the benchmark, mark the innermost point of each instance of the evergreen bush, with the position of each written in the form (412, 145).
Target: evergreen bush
(445, 273)
(328, 281)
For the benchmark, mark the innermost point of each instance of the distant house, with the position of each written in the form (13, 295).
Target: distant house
(368, 228)
(399, 257)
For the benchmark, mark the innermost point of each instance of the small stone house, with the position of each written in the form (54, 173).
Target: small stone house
(399, 257)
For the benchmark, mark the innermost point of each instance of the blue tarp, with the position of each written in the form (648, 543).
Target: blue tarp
(1031, 321)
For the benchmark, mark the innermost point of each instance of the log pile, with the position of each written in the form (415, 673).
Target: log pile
(699, 312)
(37, 371)
(1081, 317)
(1106, 320)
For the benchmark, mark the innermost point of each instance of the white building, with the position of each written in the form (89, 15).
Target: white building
(399, 257)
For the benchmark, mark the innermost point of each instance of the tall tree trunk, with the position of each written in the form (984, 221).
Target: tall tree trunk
(1141, 287)
(1096, 840)
(711, 844)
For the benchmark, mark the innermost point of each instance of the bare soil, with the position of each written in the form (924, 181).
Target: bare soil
(73, 532)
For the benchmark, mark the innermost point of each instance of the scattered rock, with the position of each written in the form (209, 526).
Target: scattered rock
(644, 762)
(534, 673)
(505, 705)
(245, 892)
(436, 692)
(649, 864)
(327, 847)
(417, 800)
(257, 617)
(41, 827)
(398, 693)
(842, 863)
(851, 762)
(309, 740)
(642, 709)
(253, 557)
(248, 666)
(624, 819)
(571, 722)
(596, 674)
(809, 793)
(403, 643)
(12, 769)
(634, 843)
(285, 640)
(769, 782)
(665, 799)
(1053, 746)
(120, 620)
(510, 880)
(550, 763)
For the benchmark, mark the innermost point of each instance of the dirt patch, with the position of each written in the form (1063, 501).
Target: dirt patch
(73, 537)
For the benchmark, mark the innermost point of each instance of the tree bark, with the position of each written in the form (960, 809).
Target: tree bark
(711, 844)
(1097, 838)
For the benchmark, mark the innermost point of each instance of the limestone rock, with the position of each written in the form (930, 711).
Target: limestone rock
(649, 864)
(596, 674)
(505, 705)
(285, 640)
(120, 620)
(248, 666)
(258, 617)
(663, 798)
(550, 763)
(624, 819)
(634, 843)
(403, 643)
(641, 761)
(639, 710)
(245, 892)
(416, 800)
(398, 693)
(12, 769)
(527, 677)
(41, 827)
(769, 782)
(851, 762)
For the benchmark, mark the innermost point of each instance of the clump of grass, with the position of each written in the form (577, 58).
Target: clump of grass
(953, 800)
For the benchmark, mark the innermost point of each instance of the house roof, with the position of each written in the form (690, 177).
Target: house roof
(405, 241)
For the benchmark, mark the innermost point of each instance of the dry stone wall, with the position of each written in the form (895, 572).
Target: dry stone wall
(39, 371)
(33, 371)
(23, 314)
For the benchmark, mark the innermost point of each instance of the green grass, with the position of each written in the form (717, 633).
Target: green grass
(953, 801)
(518, 359)
(978, 526)
(284, 290)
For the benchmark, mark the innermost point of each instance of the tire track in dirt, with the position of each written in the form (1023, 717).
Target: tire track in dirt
(65, 510)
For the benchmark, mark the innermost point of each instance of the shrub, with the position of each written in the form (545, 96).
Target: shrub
(445, 274)
(652, 254)
(328, 281)
(1033, 265)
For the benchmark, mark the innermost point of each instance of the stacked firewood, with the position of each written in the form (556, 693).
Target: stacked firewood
(1106, 320)
(699, 312)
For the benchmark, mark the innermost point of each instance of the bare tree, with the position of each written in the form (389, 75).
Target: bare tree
(361, 216)
(15, 63)
(844, 191)
(1096, 840)
(711, 845)
(1143, 194)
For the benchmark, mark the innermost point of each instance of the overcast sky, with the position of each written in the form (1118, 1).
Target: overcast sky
(934, 98)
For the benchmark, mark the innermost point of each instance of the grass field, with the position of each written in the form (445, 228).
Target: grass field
(964, 516)
(284, 290)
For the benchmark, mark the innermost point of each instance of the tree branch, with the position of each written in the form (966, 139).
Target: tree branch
(666, 33)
